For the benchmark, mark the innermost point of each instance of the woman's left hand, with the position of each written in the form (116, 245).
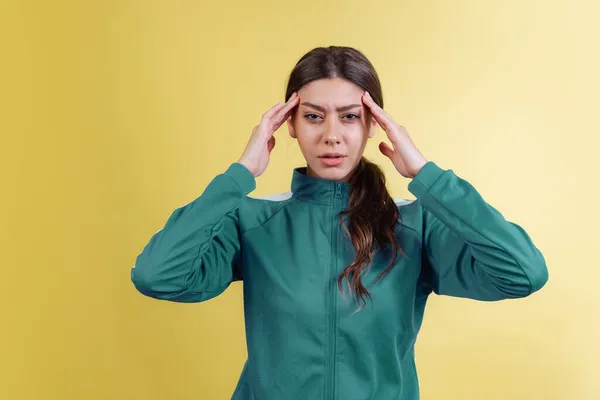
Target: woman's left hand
(405, 156)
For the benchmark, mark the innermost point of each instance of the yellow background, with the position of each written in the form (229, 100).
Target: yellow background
(114, 113)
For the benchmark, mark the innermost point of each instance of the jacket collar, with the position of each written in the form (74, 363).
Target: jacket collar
(319, 190)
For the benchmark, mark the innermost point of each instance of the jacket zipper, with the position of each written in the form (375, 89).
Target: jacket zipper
(332, 297)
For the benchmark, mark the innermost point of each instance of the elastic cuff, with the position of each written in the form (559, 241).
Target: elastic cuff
(426, 177)
(242, 176)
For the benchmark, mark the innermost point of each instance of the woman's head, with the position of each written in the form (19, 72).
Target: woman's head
(331, 117)
(327, 78)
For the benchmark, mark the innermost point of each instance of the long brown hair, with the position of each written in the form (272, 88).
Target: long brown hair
(372, 213)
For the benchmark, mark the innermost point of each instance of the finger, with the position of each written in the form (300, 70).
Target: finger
(273, 110)
(291, 103)
(285, 112)
(266, 122)
(386, 150)
(277, 125)
(382, 118)
(271, 144)
(276, 108)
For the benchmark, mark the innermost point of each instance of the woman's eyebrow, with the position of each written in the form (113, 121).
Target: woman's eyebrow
(322, 109)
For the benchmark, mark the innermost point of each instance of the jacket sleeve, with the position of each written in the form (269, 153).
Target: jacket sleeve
(196, 255)
(469, 249)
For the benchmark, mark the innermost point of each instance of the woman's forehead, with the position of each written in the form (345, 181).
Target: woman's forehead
(331, 93)
(333, 87)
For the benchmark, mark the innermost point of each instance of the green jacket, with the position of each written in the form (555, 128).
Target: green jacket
(304, 339)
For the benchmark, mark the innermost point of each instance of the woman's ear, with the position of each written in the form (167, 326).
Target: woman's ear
(372, 126)
(291, 129)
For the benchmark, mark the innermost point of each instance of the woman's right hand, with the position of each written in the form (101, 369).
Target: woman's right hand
(262, 141)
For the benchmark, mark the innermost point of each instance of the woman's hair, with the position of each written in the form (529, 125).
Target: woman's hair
(372, 213)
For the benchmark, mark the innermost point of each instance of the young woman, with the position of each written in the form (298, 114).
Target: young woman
(338, 228)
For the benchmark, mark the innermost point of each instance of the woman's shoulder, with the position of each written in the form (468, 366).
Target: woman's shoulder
(411, 214)
(256, 210)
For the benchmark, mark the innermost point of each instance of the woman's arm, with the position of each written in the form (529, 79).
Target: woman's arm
(197, 254)
(470, 250)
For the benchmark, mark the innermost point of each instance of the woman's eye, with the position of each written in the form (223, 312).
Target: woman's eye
(308, 116)
(314, 117)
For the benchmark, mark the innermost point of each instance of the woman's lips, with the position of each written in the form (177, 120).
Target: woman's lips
(332, 161)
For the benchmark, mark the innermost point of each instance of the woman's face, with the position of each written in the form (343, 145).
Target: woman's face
(332, 126)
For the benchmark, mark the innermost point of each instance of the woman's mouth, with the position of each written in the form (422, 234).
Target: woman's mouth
(332, 159)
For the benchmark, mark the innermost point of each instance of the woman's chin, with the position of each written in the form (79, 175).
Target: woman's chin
(330, 173)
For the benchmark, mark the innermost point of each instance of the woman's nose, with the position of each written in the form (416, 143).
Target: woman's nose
(331, 139)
